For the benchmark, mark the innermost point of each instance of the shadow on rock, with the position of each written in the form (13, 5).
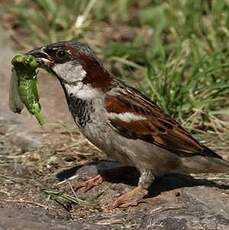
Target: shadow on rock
(113, 172)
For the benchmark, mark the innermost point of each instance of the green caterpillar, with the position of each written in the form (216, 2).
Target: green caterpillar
(23, 89)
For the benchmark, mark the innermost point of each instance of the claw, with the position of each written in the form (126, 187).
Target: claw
(89, 184)
(131, 198)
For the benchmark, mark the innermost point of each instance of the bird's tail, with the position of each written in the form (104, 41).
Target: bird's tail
(200, 164)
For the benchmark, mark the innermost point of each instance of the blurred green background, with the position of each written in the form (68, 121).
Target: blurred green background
(175, 52)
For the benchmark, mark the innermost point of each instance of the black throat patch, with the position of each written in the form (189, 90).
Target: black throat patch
(80, 110)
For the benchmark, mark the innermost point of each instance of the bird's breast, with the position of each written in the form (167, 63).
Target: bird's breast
(80, 110)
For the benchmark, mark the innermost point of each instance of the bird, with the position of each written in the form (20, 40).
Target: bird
(122, 122)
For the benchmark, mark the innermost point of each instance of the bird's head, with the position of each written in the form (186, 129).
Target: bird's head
(73, 62)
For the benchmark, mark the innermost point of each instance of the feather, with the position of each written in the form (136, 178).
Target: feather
(157, 128)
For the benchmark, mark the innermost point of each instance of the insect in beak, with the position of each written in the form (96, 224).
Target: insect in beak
(42, 57)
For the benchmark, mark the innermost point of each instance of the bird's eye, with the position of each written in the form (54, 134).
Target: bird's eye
(61, 54)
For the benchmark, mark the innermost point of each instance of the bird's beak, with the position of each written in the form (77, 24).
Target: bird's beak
(42, 57)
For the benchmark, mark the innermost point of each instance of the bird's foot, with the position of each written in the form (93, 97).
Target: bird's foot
(131, 198)
(89, 184)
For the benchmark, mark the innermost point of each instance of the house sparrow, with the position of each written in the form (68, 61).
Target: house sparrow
(122, 122)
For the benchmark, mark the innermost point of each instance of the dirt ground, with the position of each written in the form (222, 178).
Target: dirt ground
(34, 163)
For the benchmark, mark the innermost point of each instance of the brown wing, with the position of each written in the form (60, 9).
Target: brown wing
(157, 128)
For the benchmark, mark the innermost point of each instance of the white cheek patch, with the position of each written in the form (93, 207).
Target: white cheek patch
(73, 76)
(83, 91)
(70, 72)
(126, 117)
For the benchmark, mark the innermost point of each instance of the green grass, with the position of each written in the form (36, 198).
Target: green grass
(66, 199)
(177, 53)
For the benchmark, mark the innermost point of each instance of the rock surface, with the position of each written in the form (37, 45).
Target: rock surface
(37, 219)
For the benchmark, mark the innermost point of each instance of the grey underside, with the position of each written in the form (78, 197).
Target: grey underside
(129, 152)
(134, 152)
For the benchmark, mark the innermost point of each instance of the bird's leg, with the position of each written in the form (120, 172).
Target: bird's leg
(106, 174)
(95, 181)
(89, 184)
(133, 197)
